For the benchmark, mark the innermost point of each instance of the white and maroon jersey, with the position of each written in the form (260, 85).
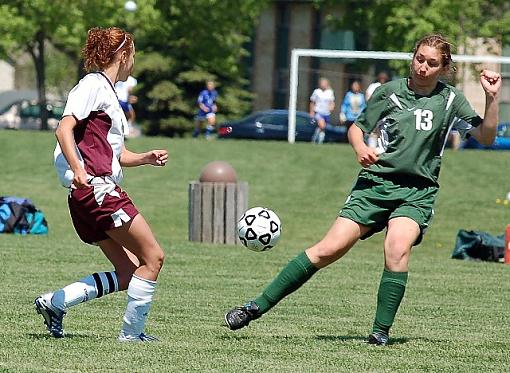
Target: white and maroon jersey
(99, 134)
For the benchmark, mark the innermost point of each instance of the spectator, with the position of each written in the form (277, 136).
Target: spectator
(454, 139)
(124, 90)
(382, 78)
(206, 110)
(352, 105)
(322, 103)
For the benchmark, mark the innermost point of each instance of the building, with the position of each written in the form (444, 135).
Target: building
(6, 76)
(283, 26)
(288, 24)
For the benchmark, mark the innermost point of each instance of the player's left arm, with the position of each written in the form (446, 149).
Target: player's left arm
(153, 157)
(491, 84)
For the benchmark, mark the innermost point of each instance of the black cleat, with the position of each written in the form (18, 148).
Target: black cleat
(378, 339)
(240, 317)
(52, 317)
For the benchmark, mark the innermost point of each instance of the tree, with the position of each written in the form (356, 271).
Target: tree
(395, 25)
(188, 43)
(180, 44)
(27, 26)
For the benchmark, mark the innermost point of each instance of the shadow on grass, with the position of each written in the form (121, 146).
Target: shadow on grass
(232, 336)
(350, 338)
(46, 336)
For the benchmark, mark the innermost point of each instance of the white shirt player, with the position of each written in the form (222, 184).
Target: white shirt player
(322, 100)
(122, 88)
(99, 134)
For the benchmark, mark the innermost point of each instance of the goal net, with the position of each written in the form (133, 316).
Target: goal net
(302, 71)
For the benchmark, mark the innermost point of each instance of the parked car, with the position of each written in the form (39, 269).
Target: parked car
(274, 124)
(501, 142)
(24, 114)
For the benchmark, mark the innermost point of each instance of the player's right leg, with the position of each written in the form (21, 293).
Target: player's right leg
(198, 126)
(137, 237)
(53, 306)
(318, 136)
(342, 235)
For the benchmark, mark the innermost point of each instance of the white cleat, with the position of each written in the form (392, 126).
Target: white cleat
(137, 338)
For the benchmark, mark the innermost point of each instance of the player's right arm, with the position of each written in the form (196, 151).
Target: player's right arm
(65, 138)
(364, 154)
(311, 107)
(201, 104)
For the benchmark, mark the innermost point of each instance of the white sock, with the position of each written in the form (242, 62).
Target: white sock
(140, 292)
(93, 286)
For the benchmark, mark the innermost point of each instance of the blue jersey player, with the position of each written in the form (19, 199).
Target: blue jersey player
(207, 109)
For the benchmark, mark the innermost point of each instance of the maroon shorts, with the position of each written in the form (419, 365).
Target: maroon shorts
(98, 209)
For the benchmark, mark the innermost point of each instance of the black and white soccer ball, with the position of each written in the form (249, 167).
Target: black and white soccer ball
(259, 229)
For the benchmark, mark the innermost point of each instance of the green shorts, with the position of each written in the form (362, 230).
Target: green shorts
(375, 199)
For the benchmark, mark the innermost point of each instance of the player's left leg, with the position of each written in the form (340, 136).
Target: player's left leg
(137, 237)
(402, 234)
(211, 123)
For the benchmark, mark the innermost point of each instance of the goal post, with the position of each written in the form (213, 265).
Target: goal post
(375, 55)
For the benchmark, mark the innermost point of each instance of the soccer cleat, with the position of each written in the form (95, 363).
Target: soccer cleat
(139, 338)
(52, 316)
(240, 317)
(148, 338)
(378, 339)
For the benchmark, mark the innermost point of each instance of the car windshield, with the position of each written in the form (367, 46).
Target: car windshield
(274, 119)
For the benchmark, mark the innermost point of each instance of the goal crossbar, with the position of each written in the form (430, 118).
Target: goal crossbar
(377, 55)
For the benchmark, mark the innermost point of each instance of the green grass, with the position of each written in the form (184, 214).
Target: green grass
(454, 316)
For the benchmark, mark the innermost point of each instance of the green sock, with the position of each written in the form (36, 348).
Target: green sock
(391, 292)
(296, 273)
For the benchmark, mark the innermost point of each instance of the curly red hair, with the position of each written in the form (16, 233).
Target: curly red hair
(103, 44)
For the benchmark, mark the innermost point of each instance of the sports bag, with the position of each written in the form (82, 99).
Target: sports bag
(476, 245)
(20, 216)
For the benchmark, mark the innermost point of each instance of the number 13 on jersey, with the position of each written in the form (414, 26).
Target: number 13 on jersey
(423, 119)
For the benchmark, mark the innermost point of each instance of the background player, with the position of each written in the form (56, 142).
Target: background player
(398, 184)
(88, 158)
(322, 103)
(206, 110)
(127, 99)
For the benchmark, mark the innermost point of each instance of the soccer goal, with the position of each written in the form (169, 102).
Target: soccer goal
(370, 55)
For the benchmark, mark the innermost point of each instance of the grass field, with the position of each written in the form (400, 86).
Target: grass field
(454, 317)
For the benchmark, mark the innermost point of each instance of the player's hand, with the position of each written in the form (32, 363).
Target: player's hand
(157, 157)
(366, 156)
(80, 180)
(491, 82)
(342, 117)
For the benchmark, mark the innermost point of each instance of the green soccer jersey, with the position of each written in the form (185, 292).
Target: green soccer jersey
(412, 129)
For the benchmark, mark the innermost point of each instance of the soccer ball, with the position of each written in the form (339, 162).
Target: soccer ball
(259, 229)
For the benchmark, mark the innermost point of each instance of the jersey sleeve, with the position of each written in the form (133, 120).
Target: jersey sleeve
(465, 118)
(82, 99)
(200, 99)
(313, 97)
(373, 111)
